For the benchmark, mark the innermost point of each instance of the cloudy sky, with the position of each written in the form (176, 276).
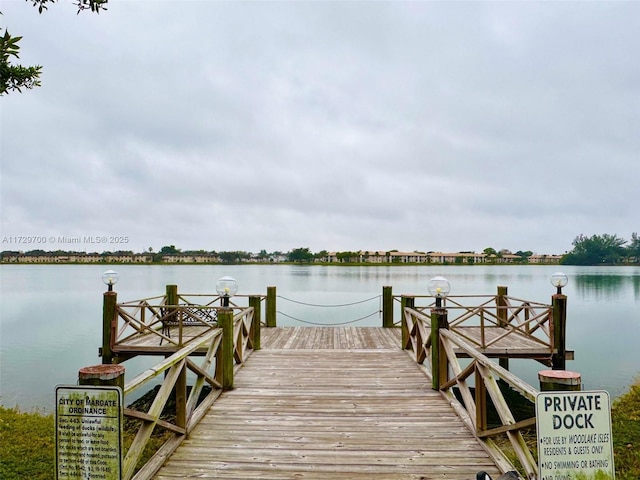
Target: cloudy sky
(231, 125)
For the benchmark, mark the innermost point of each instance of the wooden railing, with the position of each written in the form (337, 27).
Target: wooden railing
(156, 315)
(514, 316)
(466, 387)
(227, 347)
(143, 317)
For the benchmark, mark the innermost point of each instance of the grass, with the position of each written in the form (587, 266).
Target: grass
(625, 426)
(27, 447)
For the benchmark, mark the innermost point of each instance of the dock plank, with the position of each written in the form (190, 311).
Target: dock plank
(341, 405)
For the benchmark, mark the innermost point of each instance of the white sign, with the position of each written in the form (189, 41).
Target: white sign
(574, 435)
(88, 432)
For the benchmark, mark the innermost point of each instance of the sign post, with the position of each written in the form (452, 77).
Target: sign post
(574, 436)
(88, 432)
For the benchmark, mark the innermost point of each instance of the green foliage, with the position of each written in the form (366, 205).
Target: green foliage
(599, 475)
(595, 250)
(169, 250)
(15, 77)
(233, 257)
(300, 255)
(633, 249)
(348, 257)
(93, 5)
(625, 419)
(524, 255)
(321, 255)
(27, 447)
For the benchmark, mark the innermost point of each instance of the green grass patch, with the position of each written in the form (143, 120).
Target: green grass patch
(27, 447)
(625, 426)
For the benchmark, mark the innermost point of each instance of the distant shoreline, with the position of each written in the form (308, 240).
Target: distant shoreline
(322, 264)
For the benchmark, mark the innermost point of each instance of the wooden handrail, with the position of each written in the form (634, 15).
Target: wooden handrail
(189, 411)
(471, 404)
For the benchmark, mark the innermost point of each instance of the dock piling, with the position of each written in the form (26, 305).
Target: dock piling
(255, 302)
(405, 302)
(558, 359)
(109, 326)
(270, 314)
(559, 381)
(387, 307)
(438, 357)
(502, 314)
(224, 360)
(102, 376)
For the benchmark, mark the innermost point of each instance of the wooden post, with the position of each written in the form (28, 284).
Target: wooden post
(172, 294)
(102, 376)
(559, 380)
(255, 302)
(387, 307)
(558, 359)
(438, 355)
(180, 390)
(405, 302)
(502, 314)
(224, 358)
(270, 314)
(109, 326)
(481, 402)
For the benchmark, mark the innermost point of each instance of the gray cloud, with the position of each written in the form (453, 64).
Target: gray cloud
(337, 125)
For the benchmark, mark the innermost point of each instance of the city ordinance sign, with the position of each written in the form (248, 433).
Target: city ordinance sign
(574, 435)
(88, 432)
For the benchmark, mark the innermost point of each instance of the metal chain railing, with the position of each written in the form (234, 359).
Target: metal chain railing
(377, 312)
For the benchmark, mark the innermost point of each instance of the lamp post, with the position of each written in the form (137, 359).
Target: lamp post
(439, 287)
(110, 278)
(226, 287)
(559, 280)
(109, 319)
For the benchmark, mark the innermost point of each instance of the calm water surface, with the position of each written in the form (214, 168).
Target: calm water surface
(51, 315)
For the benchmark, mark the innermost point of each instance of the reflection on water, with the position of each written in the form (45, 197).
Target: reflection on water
(51, 315)
(607, 287)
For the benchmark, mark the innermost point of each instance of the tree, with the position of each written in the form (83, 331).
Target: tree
(169, 250)
(491, 254)
(229, 257)
(595, 250)
(321, 255)
(300, 255)
(348, 257)
(17, 77)
(524, 256)
(633, 249)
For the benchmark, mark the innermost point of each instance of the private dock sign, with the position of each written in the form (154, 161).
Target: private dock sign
(574, 435)
(88, 433)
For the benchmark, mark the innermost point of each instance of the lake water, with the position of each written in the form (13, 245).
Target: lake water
(51, 315)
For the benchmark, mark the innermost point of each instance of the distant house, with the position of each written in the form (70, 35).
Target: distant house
(545, 258)
(457, 257)
(187, 258)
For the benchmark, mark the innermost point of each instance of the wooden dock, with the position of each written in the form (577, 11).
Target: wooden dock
(334, 402)
(359, 409)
